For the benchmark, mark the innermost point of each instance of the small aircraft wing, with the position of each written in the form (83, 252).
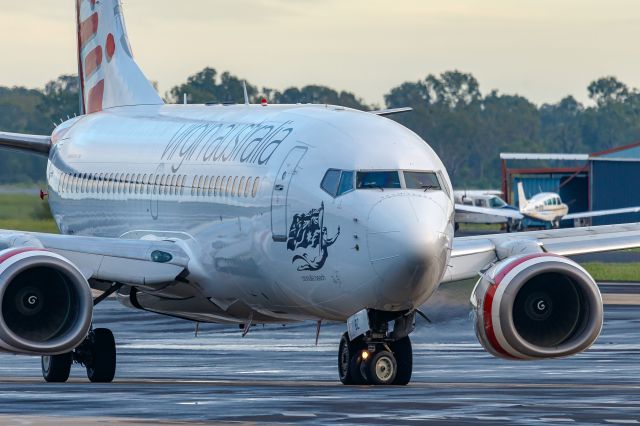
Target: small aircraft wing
(601, 213)
(138, 262)
(29, 143)
(508, 213)
(470, 255)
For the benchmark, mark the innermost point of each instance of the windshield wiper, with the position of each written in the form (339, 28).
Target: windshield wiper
(372, 185)
(427, 187)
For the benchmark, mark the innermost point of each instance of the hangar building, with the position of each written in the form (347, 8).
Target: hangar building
(599, 181)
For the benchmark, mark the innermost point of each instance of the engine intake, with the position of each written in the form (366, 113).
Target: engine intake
(45, 303)
(537, 306)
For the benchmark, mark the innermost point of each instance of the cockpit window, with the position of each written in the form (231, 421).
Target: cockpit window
(346, 182)
(380, 180)
(422, 180)
(497, 203)
(330, 182)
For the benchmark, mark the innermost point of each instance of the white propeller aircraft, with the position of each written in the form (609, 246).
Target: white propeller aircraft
(548, 207)
(248, 214)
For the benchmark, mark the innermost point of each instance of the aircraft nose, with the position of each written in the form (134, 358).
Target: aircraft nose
(408, 243)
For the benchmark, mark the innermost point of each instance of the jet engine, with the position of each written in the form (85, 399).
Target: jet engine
(46, 304)
(536, 306)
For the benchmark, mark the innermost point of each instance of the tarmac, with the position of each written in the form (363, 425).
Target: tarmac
(277, 375)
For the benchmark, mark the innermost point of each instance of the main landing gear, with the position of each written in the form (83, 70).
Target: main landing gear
(376, 356)
(97, 353)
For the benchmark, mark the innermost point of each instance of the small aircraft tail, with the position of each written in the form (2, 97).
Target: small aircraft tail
(109, 76)
(522, 199)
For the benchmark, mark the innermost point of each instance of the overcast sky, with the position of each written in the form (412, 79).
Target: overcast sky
(542, 49)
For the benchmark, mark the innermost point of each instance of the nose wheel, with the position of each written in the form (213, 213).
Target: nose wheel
(360, 363)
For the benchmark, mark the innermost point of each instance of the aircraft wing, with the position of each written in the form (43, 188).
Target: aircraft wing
(601, 213)
(391, 111)
(137, 262)
(509, 213)
(29, 143)
(472, 254)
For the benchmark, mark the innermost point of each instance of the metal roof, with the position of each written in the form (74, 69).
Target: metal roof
(541, 156)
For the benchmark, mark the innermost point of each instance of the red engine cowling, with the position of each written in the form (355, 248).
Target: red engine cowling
(537, 306)
(46, 304)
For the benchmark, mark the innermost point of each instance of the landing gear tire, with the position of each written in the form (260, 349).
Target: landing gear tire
(404, 359)
(349, 362)
(56, 368)
(101, 367)
(381, 368)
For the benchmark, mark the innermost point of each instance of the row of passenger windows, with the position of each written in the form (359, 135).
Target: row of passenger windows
(338, 182)
(156, 184)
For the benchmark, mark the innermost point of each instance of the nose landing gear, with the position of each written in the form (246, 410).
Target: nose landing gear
(377, 357)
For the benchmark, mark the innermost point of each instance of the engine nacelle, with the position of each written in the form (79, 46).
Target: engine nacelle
(537, 306)
(46, 305)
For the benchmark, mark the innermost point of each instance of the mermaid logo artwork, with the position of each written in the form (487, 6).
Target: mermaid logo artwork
(309, 233)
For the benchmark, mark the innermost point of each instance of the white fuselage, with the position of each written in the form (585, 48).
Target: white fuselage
(239, 187)
(546, 207)
(477, 198)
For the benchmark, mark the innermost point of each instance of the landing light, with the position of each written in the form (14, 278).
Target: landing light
(365, 355)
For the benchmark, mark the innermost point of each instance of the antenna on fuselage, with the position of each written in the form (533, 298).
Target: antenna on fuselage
(184, 99)
(244, 89)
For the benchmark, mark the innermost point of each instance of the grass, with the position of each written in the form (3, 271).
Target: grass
(477, 227)
(25, 212)
(613, 271)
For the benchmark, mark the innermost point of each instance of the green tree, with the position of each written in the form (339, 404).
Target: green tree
(318, 95)
(608, 90)
(207, 86)
(61, 98)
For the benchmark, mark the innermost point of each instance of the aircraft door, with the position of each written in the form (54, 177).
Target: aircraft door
(279, 197)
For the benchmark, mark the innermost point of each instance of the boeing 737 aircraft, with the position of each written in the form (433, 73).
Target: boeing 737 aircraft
(252, 214)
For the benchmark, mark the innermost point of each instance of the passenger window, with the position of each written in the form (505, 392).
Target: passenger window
(234, 189)
(247, 188)
(229, 186)
(163, 185)
(172, 186)
(211, 186)
(205, 186)
(256, 184)
(422, 180)
(193, 185)
(216, 188)
(346, 182)
(156, 185)
(241, 186)
(181, 180)
(223, 185)
(331, 181)
(85, 183)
